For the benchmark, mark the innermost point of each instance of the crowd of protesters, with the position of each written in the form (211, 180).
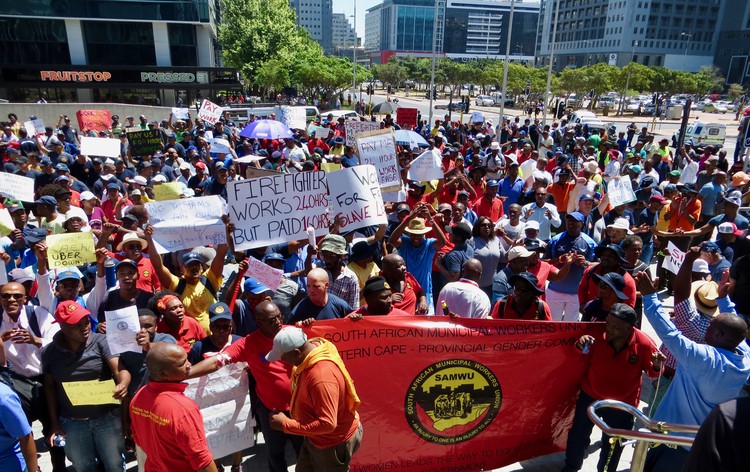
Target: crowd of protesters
(521, 227)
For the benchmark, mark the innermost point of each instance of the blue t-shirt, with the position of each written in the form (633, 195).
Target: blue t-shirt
(710, 193)
(611, 216)
(13, 425)
(349, 161)
(419, 262)
(740, 221)
(563, 243)
(243, 318)
(206, 346)
(650, 219)
(333, 309)
(455, 259)
(512, 190)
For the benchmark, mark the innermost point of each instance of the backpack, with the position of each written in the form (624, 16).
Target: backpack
(33, 322)
(182, 284)
(539, 309)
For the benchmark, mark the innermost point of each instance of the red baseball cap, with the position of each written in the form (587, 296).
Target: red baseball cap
(70, 312)
(200, 165)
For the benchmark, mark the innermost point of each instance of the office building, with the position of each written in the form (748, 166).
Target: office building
(465, 30)
(679, 35)
(343, 32)
(316, 16)
(733, 47)
(131, 51)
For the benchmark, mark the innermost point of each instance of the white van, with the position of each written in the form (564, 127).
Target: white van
(586, 117)
(704, 134)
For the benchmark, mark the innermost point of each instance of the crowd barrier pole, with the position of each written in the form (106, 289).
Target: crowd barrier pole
(652, 432)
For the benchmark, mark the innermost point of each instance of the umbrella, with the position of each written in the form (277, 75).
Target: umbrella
(384, 107)
(266, 129)
(405, 137)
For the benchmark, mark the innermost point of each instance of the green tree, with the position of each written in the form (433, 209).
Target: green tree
(326, 76)
(273, 74)
(633, 76)
(736, 91)
(708, 80)
(390, 73)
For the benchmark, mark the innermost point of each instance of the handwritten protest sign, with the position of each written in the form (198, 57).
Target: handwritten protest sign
(96, 120)
(180, 113)
(320, 131)
(620, 191)
(426, 166)
(253, 172)
(17, 186)
(168, 191)
(6, 222)
(328, 167)
(407, 117)
(145, 142)
(277, 209)
(209, 112)
(378, 148)
(90, 392)
(106, 147)
(34, 127)
(674, 259)
(224, 400)
(477, 117)
(292, 117)
(186, 223)
(70, 249)
(264, 273)
(356, 196)
(122, 327)
(353, 128)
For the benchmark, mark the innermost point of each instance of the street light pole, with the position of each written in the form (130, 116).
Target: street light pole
(354, 52)
(505, 65)
(689, 37)
(432, 73)
(627, 82)
(551, 61)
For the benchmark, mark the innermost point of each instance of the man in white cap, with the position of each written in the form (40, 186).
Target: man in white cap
(494, 162)
(518, 261)
(324, 402)
(732, 241)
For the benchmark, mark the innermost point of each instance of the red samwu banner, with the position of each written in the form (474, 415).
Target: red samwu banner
(439, 395)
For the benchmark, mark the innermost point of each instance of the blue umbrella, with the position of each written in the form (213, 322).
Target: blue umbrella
(405, 137)
(266, 129)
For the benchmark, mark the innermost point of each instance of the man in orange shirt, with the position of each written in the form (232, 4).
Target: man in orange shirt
(561, 190)
(682, 215)
(324, 402)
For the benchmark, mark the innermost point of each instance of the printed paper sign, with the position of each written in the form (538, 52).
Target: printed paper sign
(477, 117)
(187, 223)
(122, 327)
(320, 131)
(70, 249)
(378, 148)
(292, 117)
(106, 147)
(426, 166)
(168, 191)
(407, 117)
(264, 273)
(356, 196)
(17, 187)
(34, 127)
(6, 222)
(96, 120)
(620, 191)
(209, 112)
(145, 142)
(277, 209)
(674, 259)
(90, 392)
(220, 146)
(180, 113)
(352, 128)
(224, 400)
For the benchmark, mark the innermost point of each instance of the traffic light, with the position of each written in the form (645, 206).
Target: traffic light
(467, 102)
(390, 89)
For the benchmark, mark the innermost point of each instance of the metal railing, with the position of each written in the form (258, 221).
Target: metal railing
(657, 431)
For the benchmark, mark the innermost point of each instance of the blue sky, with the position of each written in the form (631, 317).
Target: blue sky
(347, 6)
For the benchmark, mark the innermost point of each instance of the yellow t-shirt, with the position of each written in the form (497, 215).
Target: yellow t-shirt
(197, 298)
(370, 270)
(54, 226)
(662, 224)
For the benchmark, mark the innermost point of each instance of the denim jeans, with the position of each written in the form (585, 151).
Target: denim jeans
(96, 437)
(648, 253)
(276, 441)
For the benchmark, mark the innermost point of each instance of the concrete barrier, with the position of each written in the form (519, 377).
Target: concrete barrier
(50, 112)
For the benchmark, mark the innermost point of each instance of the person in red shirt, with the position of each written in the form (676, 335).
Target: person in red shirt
(112, 206)
(612, 259)
(166, 424)
(489, 204)
(377, 294)
(543, 270)
(324, 402)
(561, 190)
(184, 329)
(406, 293)
(525, 302)
(617, 359)
(131, 247)
(272, 379)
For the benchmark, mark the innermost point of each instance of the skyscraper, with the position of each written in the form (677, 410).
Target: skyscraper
(316, 16)
(733, 48)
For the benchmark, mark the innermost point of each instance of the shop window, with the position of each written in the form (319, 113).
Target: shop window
(112, 43)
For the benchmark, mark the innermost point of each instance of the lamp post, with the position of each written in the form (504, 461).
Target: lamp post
(354, 52)
(551, 61)
(627, 82)
(689, 37)
(505, 64)
(432, 72)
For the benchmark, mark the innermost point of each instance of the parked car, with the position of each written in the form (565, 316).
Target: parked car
(716, 107)
(484, 101)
